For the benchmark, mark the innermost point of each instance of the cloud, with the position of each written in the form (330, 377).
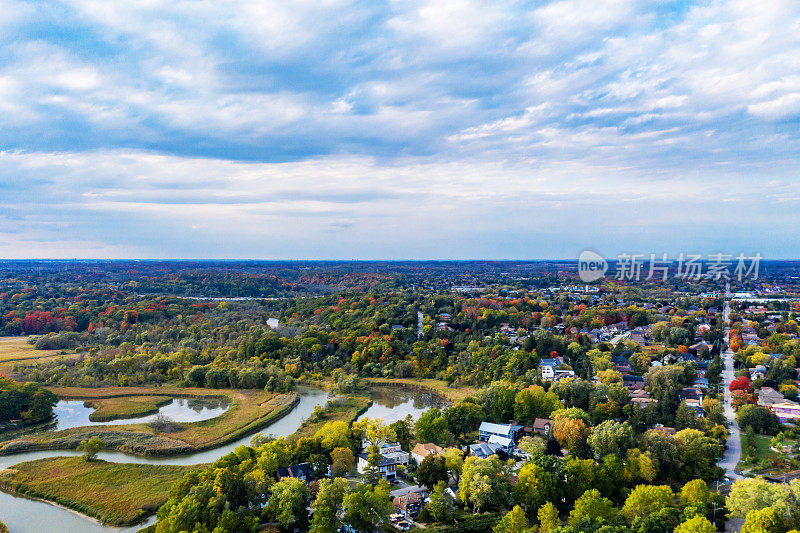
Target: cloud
(442, 125)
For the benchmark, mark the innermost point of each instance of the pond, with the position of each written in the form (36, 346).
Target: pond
(72, 413)
(395, 403)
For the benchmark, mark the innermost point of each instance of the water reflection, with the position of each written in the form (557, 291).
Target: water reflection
(72, 413)
(395, 403)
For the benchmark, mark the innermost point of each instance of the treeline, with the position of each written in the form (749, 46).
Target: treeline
(27, 403)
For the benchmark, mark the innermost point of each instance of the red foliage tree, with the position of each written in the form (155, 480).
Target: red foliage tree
(742, 383)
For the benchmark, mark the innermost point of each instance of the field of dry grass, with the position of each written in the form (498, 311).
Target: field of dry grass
(16, 350)
(249, 410)
(117, 494)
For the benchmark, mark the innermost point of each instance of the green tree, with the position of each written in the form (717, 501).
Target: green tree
(647, 499)
(91, 447)
(696, 524)
(454, 460)
(535, 486)
(763, 520)
(288, 501)
(695, 492)
(431, 426)
(548, 517)
(485, 483)
(612, 437)
(432, 470)
(592, 505)
(513, 522)
(334, 435)
(441, 507)
(328, 505)
(534, 402)
(367, 508)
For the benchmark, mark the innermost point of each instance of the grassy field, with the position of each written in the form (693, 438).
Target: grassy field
(125, 407)
(346, 412)
(16, 350)
(454, 395)
(249, 410)
(116, 494)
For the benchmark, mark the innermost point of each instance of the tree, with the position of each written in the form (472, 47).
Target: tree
(372, 473)
(647, 499)
(572, 433)
(373, 431)
(328, 505)
(454, 460)
(532, 445)
(367, 508)
(698, 454)
(91, 447)
(696, 524)
(548, 517)
(463, 418)
(432, 470)
(535, 486)
(288, 501)
(513, 522)
(760, 418)
(334, 435)
(431, 426)
(612, 437)
(756, 493)
(485, 483)
(343, 461)
(664, 450)
(763, 520)
(403, 432)
(441, 507)
(533, 403)
(592, 505)
(695, 492)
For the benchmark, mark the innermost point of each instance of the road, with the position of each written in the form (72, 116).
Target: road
(733, 452)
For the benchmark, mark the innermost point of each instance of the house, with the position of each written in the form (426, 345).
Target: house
(542, 426)
(394, 452)
(386, 467)
(787, 411)
(482, 450)
(767, 397)
(302, 471)
(421, 451)
(504, 442)
(408, 505)
(509, 431)
(758, 372)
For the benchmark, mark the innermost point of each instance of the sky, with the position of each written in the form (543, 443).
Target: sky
(440, 129)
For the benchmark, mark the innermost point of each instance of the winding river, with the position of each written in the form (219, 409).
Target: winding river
(23, 515)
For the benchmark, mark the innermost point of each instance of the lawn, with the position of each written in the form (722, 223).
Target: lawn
(125, 407)
(249, 410)
(117, 494)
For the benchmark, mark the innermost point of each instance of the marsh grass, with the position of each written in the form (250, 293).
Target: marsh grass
(115, 493)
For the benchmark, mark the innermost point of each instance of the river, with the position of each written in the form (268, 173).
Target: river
(23, 515)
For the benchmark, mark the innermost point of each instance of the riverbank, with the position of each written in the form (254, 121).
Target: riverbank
(122, 407)
(249, 411)
(453, 395)
(347, 409)
(115, 494)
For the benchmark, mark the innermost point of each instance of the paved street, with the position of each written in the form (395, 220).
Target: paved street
(734, 450)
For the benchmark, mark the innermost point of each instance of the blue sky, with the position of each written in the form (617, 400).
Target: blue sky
(398, 129)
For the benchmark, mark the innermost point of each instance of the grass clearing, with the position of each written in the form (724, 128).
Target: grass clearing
(18, 349)
(117, 494)
(125, 407)
(248, 411)
(348, 411)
